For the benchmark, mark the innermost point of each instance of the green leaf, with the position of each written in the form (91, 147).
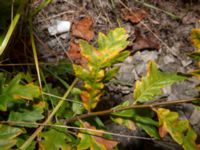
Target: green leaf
(145, 120)
(110, 74)
(180, 131)
(16, 91)
(130, 113)
(26, 116)
(151, 85)
(189, 140)
(8, 136)
(55, 139)
(196, 37)
(77, 107)
(149, 129)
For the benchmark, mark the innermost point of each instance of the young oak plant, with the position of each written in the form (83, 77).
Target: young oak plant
(95, 72)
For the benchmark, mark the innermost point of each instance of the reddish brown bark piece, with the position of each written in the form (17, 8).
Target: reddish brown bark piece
(135, 16)
(83, 28)
(144, 41)
(74, 52)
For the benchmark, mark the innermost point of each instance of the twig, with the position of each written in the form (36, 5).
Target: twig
(78, 128)
(109, 111)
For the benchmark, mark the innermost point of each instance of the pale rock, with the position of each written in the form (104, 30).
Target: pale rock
(168, 59)
(59, 27)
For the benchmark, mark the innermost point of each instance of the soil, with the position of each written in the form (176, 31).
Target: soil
(158, 36)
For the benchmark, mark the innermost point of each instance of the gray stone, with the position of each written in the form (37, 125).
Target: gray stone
(195, 117)
(129, 60)
(140, 68)
(168, 59)
(149, 55)
(185, 63)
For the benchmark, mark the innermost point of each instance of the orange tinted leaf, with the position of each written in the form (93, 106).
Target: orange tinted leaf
(94, 140)
(85, 97)
(179, 130)
(109, 144)
(162, 131)
(135, 16)
(83, 28)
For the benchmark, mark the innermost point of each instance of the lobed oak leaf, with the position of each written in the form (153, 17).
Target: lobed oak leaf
(83, 28)
(135, 16)
(179, 130)
(151, 85)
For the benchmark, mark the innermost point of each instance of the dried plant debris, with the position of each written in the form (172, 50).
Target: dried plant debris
(83, 28)
(134, 16)
(143, 41)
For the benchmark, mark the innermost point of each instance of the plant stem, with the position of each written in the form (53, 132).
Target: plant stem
(108, 111)
(38, 130)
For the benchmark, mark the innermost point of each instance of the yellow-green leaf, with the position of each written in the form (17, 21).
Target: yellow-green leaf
(116, 40)
(151, 85)
(90, 53)
(94, 140)
(196, 38)
(149, 129)
(179, 130)
(125, 122)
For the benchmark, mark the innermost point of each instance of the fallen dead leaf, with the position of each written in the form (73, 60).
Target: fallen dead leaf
(144, 41)
(83, 28)
(135, 16)
(74, 52)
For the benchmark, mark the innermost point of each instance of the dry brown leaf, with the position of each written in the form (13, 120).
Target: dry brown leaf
(135, 16)
(83, 28)
(74, 52)
(109, 144)
(144, 42)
